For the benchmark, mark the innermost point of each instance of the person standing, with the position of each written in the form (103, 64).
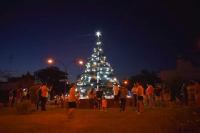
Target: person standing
(185, 94)
(197, 94)
(78, 95)
(33, 96)
(72, 100)
(91, 97)
(24, 92)
(158, 92)
(134, 90)
(38, 93)
(44, 96)
(149, 92)
(99, 97)
(18, 95)
(10, 97)
(123, 93)
(167, 95)
(191, 97)
(140, 93)
(116, 97)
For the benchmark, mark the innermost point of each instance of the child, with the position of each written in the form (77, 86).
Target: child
(95, 103)
(104, 104)
(177, 101)
(145, 99)
(78, 97)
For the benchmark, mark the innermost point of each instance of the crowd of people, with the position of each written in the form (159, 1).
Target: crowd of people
(190, 94)
(152, 97)
(35, 94)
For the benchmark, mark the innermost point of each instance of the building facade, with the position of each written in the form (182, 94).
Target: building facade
(184, 69)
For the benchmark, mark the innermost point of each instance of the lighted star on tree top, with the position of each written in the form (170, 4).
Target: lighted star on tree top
(98, 34)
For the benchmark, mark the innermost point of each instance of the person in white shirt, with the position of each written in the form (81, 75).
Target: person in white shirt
(116, 97)
(44, 96)
(134, 90)
(140, 93)
(72, 100)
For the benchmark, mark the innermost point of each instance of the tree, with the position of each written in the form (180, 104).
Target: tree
(4, 75)
(51, 75)
(175, 84)
(144, 77)
(98, 71)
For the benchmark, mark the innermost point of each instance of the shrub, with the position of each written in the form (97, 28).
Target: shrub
(1, 105)
(24, 107)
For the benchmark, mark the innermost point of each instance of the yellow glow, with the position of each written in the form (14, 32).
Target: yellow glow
(125, 82)
(50, 60)
(81, 62)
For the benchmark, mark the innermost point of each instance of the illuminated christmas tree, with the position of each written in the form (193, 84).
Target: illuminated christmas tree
(98, 72)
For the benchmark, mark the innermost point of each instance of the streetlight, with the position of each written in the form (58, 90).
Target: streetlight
(125, 82)
(51, 61)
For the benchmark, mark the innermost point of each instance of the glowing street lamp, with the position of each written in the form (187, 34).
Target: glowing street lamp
(80, 62)
(51, 61)
(125, 82)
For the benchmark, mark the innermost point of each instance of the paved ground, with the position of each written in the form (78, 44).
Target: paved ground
(175, 119)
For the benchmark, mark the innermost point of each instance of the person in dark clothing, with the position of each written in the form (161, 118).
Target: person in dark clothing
(28, 95)
(158, 93)
(123, 94)
(39, 91)
(185, 94)
(99, 95)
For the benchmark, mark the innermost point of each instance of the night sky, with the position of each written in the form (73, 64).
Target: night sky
(136, 35)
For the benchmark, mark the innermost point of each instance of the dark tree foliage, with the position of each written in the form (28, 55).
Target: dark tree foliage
(23, 77)
(175, 84)
(78, 76)
(4, 74)
(52, 76)
(144, 77)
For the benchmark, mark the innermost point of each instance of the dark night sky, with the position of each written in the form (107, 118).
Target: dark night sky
(136, 35)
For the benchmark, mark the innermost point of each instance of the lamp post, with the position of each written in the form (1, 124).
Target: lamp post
(51, 61)
(125, 82)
